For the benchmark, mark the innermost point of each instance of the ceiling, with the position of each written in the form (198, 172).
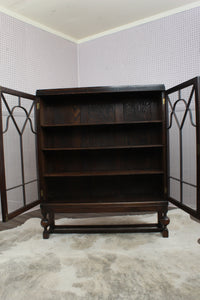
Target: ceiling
(82, 20)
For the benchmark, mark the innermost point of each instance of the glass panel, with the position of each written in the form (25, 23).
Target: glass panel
(174, 146)
(31, 192)
(189, 149)
(189, 196)
(12, 155)
(29, 151)
(174, 191)
(15, 199)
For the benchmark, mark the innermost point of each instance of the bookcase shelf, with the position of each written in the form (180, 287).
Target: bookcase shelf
(103, 148)
(102, 123)
(104, 173)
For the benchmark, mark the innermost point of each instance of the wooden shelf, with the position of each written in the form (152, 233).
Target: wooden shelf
(104, 148)
(107, 199)
(100, 124)
(103, 173)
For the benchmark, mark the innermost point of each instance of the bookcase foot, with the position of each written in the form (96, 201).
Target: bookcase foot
(163, 221)
(45, 234)
(47, 223)
(165, 233)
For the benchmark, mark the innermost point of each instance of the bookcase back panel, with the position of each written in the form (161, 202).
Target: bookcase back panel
(105, 189)
(104, 160)
(114, 107)
(103, 136)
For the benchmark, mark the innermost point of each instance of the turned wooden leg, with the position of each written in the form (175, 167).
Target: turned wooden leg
(160, 214)
(164, 221)
(45, 224)
(51, 222)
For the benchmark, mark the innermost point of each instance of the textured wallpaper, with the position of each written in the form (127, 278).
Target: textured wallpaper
(31, 58)
(162, 51)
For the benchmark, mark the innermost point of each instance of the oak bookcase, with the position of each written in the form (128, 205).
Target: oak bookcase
(103, 150)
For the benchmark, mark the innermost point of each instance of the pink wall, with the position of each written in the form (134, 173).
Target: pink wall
(31, 58)
(162, 51)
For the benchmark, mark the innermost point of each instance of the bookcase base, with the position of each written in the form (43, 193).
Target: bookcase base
(49, 209)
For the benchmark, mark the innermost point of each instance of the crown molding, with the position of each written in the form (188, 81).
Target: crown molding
(37, 24)
(140, 22)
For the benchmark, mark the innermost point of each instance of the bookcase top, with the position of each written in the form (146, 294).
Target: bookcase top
(102, 89)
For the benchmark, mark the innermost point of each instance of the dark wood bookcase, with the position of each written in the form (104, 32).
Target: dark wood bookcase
(103, 150)
(108, 150)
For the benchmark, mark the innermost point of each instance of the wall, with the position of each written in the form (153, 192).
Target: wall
(162, 51)
(30, 59)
